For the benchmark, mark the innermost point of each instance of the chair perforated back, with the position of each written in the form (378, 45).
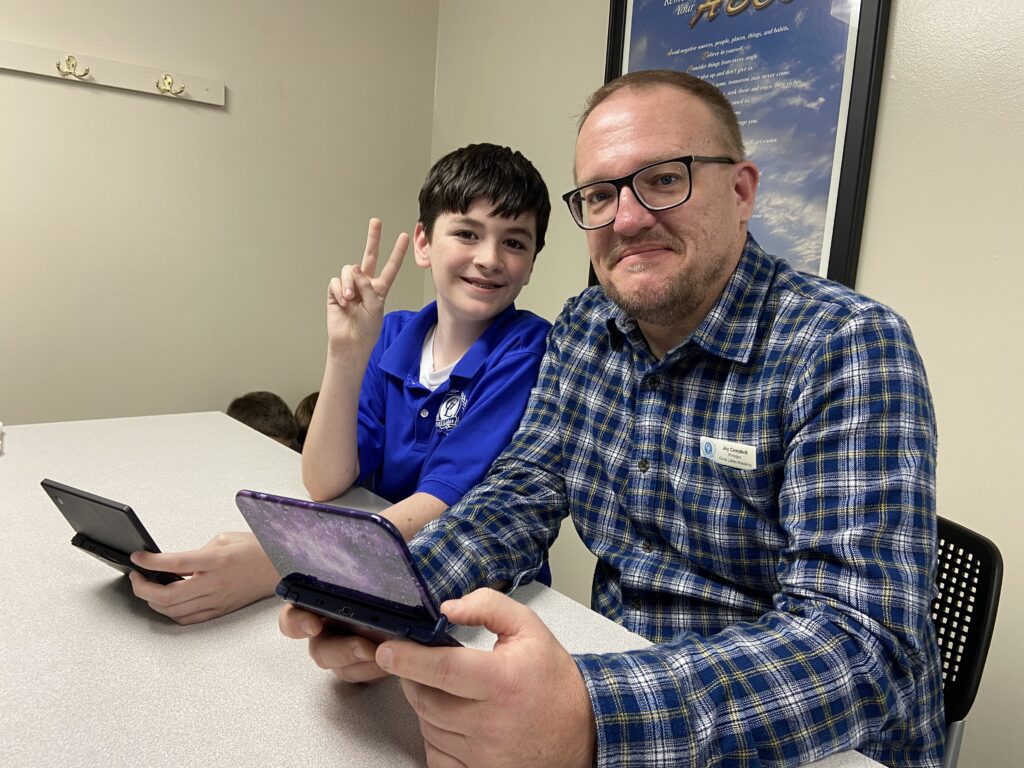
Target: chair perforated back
(969, 577)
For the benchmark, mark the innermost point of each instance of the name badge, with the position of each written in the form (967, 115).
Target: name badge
(728, 453)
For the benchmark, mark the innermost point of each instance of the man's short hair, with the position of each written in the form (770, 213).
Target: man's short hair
(267, 413)
(721, 108)
(499, 174)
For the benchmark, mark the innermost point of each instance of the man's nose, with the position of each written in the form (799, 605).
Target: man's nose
(631, 217)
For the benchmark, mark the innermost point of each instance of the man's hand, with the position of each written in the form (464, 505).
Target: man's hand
(524, 703)
(231, 571)
(350, 657)
(355, 299)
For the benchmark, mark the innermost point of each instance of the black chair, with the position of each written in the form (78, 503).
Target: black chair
(969, 576)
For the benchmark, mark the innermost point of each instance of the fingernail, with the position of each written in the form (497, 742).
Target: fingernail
(384, 657)
(361, 654)
(309, 627)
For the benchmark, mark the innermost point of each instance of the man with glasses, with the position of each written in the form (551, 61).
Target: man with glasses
(748, 451)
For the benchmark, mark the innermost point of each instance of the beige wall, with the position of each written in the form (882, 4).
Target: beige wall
(164, 257)
(106, 310)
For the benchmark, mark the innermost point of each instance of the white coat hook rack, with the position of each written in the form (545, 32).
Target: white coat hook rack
(93, 70)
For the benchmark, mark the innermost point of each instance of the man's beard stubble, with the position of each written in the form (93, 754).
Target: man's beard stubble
(677, 299)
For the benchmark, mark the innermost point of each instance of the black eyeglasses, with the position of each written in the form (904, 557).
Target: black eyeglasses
(657, 187)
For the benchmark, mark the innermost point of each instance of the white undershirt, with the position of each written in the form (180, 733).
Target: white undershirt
(430, 378)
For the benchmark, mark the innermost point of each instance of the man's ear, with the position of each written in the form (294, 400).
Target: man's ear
(745, 187)
(421, 246)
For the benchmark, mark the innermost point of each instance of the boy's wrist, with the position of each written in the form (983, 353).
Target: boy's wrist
(348, 354)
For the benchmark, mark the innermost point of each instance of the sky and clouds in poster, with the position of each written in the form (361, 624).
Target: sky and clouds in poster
(782, 65)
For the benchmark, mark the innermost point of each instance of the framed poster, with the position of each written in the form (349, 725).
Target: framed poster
(804, 77)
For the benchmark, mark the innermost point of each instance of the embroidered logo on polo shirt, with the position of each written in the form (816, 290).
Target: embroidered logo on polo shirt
(451, 410)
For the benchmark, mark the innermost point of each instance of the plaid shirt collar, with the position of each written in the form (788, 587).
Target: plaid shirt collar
(727, 330)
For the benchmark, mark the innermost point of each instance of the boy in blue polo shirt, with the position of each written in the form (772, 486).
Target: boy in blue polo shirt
(444, 388)
(414, 405)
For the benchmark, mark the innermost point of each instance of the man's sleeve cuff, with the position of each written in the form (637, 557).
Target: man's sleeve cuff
(640, 708)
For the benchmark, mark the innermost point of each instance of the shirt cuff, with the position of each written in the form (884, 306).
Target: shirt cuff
(640, 709)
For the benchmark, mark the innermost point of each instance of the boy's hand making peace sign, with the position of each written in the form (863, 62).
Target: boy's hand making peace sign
(355, 299)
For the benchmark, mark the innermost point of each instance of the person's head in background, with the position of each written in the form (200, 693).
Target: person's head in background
(303, 415)
(484, 212)
(267, 413)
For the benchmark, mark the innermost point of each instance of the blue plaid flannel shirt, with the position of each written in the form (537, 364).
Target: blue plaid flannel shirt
(789, 604)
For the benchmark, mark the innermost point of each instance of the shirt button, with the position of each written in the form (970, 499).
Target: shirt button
(643, 465)
(648, 545)
(654, 382)
(635, 603)
(424, 413)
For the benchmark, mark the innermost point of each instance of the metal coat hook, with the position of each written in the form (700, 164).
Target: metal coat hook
(166, 85)
(70, 67)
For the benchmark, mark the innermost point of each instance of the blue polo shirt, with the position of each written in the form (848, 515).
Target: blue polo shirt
(443, 442)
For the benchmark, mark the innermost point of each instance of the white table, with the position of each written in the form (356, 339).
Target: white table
(90, 676)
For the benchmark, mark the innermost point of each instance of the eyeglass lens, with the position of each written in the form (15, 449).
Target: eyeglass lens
(658, 187)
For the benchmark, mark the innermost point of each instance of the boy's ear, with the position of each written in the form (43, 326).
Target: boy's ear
(421, 246)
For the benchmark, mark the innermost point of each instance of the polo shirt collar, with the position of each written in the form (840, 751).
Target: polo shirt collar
(482, 348)
(402, 357)
(729, 328)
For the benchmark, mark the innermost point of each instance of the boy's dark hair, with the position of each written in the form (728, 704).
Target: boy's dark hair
(304, 414)
(267, 413)
(499, 174)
